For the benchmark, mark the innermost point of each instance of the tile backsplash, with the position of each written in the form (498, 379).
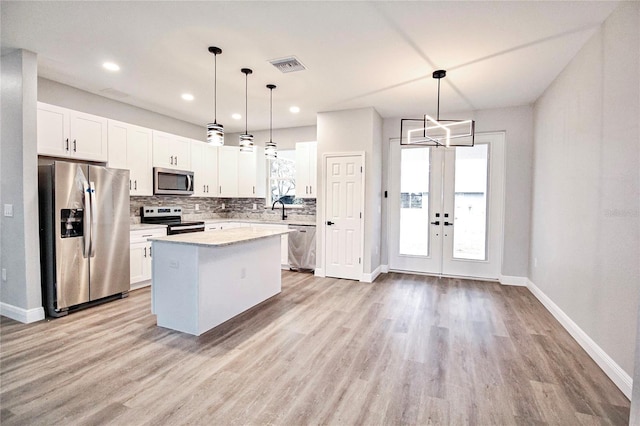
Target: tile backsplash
(212, 208)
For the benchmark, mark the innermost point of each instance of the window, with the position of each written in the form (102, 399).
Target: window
(282, 178)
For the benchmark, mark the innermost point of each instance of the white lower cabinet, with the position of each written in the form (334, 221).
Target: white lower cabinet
(140, 256)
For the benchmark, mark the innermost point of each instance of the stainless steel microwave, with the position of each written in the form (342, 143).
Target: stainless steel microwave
(172, 182)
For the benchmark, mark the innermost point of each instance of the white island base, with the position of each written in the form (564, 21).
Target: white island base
(200, 281)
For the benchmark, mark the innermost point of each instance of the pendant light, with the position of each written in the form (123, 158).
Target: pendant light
(215, 131)
(246, 140)
(270, 148)
(436, 132)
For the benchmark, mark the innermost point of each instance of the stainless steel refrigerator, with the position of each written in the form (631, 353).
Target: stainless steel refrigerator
(84, 234)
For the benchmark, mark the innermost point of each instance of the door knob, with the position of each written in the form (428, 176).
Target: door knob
(330, 223)
(437, 222)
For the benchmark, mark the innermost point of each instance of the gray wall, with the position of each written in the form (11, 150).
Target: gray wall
(585, 237)
(355, 130)
(55, 93)
(19, 174)
(517, 122)
(284, 138)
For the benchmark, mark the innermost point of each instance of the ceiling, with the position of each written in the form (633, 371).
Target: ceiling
(357, 54)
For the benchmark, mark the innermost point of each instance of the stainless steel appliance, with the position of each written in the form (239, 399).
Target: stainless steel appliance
(170, 216)
(84, 234)
(302, 247)
(172, 182)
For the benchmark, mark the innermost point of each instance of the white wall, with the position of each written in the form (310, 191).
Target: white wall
(356, 130)
(585, 237)
(517, 122)
(20, 252)
(284, 138)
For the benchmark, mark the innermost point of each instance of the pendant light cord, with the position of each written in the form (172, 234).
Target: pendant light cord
(215, 88)
(246, 108)
(438, 109)
(270, 115)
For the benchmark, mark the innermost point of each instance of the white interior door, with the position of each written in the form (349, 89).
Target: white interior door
(446, 208)
(343, 217)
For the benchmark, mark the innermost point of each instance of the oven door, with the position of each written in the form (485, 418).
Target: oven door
(172, 182)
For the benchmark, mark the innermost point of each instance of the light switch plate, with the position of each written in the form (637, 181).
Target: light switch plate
(8, 210)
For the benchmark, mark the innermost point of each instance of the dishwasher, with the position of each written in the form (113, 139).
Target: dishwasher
(302, 247)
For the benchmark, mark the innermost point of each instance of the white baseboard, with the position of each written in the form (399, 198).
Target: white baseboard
(319, 272)
(604, 361)
(513, 280)
(25, 316)
(384, 269)
(369, 278)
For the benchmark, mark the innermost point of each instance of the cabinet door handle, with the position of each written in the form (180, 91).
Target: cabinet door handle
(254, 189)
(176, 160)
(310, 190)
(74, 145)
(67, 146)
(306, 189)
(145, 252)
(129, 184)
(172, 160)
(135, 184)
(207, 189)
(150, 251)
(220, 189)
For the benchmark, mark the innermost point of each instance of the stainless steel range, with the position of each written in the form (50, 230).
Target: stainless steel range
(170, 216)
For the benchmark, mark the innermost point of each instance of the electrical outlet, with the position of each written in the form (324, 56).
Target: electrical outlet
(8, 210)
(197, 207)
(255, 206)
(4, 274)
(222, 206)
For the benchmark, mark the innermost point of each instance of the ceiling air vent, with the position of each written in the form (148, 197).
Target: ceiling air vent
(113, 93)
(290, 64)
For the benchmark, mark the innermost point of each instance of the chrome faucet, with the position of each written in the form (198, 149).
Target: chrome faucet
(273, 206)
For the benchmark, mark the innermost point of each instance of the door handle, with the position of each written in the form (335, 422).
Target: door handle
(448, 223)
(176, 160)
(74, 145)
(437, 222)
(150, 251)
(172, 160)
(135, 184)
(67, 148)
(145, 252)
(129, 184)
(330, 223)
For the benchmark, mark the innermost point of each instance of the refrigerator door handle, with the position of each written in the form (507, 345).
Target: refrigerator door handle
(87, 219)
(94, 216)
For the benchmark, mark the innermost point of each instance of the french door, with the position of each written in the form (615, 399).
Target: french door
(446, 208)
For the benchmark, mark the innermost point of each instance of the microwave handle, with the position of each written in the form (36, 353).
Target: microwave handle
(190, 183)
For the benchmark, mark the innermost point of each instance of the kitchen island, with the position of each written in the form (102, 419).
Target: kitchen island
(203, 279)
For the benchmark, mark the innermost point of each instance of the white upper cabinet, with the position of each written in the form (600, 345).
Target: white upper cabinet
(306, 169)
(171, 151)
(204, 163)
(241, 174)
(252, 173)
(228, 171)
(71, 134)
(130, 148)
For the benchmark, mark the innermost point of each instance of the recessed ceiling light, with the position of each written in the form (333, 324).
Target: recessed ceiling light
(187, 96)
(111, 66)
(236, 116)
(294, 109)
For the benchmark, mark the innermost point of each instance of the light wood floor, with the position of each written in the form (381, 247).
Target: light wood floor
(404, 350)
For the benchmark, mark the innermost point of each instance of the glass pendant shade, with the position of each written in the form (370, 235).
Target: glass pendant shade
(246, 143)
(215, 134)
(271, 151)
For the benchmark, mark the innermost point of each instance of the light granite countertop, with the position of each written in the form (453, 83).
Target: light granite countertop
(268, 222)
(220, 238)
(146, 226)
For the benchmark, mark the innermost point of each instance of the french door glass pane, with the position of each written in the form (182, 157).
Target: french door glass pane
(414, 201)
(470, 216)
